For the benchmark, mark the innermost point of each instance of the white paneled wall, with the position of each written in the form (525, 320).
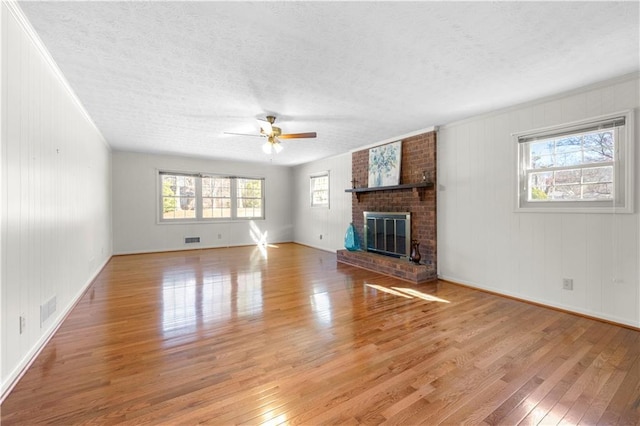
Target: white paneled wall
(331, 223)
(483, 242)
(55, 186)
(136, 202)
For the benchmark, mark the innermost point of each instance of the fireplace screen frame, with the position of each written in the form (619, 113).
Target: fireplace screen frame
(383, 241)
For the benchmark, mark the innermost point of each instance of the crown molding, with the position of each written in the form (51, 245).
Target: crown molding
(396, 138)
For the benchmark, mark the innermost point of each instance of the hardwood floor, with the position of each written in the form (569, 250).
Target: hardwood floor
(231, 336)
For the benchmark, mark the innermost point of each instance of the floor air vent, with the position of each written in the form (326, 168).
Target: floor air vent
(191, 240)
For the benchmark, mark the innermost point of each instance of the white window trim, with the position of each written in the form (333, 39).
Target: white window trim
(623, 171)
(317, 175)
(233, 189)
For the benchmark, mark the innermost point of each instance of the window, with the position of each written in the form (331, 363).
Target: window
(319, 189)
(207, 197)
(249, 198)
(585, 166)
(216, 197)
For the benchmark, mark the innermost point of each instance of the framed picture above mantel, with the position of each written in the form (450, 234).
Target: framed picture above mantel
(384, 164)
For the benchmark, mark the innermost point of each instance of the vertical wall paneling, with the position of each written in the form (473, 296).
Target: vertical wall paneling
(483, 242)
(312, 222)
(55, 201)
(3, 137)
(446, 167)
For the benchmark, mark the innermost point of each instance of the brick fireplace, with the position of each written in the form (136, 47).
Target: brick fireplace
(418, 159)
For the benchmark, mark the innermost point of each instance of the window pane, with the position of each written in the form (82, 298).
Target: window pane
(252, 209)
(565, 193)
(216, 187)
(169, 202)
(179, 207)
(216, 208)
(168, 186)
(599, 191)
(568, 176)
(597, 174)
(178, 197)
(320, 183)
(542, 161)
(578, 183)
(598, 147)
(541, 149)
(589, 148)
(249, 198)
(319, 190)
(564, 159)
(568, 145)
(216, 197)
(540, 185)
(319, 197)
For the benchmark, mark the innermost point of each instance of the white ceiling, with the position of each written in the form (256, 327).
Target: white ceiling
(172, 77)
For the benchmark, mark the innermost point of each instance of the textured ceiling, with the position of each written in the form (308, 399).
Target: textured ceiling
(172, 77)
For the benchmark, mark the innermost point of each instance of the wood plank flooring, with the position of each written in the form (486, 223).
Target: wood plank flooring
(287, 336)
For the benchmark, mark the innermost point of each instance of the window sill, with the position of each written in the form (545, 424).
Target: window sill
(207, 222)
(575, 210)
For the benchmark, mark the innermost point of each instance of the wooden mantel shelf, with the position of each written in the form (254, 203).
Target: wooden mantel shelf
(416, 187)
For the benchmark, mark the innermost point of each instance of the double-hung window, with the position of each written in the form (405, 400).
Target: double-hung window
(319, 189)
(208, 197)
(585, 166)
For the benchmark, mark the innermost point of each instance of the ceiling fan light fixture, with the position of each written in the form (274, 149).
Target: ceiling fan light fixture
(266, 148)
(272, 146)
(273, 134)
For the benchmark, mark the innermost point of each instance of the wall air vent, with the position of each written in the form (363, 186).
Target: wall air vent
(46, 309)
(191, 240)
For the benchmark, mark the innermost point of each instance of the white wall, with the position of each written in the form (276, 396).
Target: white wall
(136, 202)
(55, 187)
(484, 243)
(312, 222)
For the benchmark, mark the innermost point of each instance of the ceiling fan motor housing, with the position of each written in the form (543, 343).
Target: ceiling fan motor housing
(271, 132)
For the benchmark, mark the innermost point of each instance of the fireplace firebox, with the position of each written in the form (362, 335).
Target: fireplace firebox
(388, 233)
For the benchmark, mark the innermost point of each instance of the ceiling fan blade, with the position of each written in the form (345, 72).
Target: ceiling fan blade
(266, 127)
(298, 135)
(242, 134)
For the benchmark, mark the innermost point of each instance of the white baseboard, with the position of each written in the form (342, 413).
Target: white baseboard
(544, 302)
(16, 374)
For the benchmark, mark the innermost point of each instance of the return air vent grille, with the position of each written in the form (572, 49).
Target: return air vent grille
(46, 309)
(191, 240)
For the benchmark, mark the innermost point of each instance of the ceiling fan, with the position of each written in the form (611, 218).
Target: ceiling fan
(274, 134)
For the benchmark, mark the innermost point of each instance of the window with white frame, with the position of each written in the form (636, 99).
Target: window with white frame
(319, 189)
(208, 197)
(585, 166)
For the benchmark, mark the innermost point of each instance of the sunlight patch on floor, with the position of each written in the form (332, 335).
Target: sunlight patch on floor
(282, 418)
(388, 290)
(408, 293)
(421, 295)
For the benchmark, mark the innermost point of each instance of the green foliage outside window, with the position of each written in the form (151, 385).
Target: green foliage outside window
(168, 202)
(538, 194)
